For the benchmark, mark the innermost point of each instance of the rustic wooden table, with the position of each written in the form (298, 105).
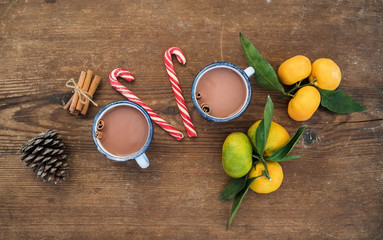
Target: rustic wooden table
(334, 192)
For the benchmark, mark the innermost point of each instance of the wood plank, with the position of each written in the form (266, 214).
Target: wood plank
(334, 192)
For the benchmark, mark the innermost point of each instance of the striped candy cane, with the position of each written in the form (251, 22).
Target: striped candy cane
(177, 88)
(119, 72)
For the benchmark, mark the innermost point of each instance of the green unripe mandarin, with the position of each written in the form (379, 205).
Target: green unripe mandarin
(237, 155)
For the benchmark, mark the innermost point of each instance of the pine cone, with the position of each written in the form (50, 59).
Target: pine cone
(45, 155)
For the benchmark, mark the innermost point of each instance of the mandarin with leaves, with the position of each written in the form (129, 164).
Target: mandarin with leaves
(277, 138)
(304, 104)
(237, 155)
(294, 69)
(326, 73)
(263, 184)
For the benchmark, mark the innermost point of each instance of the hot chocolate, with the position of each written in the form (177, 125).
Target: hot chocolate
(221, 92)
(125, 130)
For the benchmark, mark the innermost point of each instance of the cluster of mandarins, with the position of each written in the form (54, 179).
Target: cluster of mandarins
(322, 73)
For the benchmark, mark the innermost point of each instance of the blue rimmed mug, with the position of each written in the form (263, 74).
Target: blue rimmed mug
(140, 156)
(244, 76)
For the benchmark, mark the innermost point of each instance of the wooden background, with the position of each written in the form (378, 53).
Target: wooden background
(334, 192)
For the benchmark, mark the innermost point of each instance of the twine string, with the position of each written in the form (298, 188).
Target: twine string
(81, 93)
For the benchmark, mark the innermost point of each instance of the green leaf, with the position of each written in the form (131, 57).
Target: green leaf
(263, 128)
(238, 200)
(339, 102)
(260, 138)
(255, 150)
(264, 72)
(234, 187)
(288, 158)
(285, 150)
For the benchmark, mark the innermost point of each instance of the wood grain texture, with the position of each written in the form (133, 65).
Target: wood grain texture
(334, 192)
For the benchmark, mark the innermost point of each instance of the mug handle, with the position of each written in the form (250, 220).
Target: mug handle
(143, 161)
(249, 71)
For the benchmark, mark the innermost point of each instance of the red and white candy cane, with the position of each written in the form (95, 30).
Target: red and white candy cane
(177, 88)
(125, 74)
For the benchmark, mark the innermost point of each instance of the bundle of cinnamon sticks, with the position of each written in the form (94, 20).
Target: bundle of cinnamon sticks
(76, 104)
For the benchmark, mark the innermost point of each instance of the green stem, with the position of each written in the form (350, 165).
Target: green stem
(293, 89)
(256, 161)
(262, 175)
(266, 170)
(298, 86)
(299, 83)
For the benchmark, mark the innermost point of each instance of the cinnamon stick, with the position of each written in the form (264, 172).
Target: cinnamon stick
(67, 105)
(73, 105)
(85, 88)
(92, 89)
